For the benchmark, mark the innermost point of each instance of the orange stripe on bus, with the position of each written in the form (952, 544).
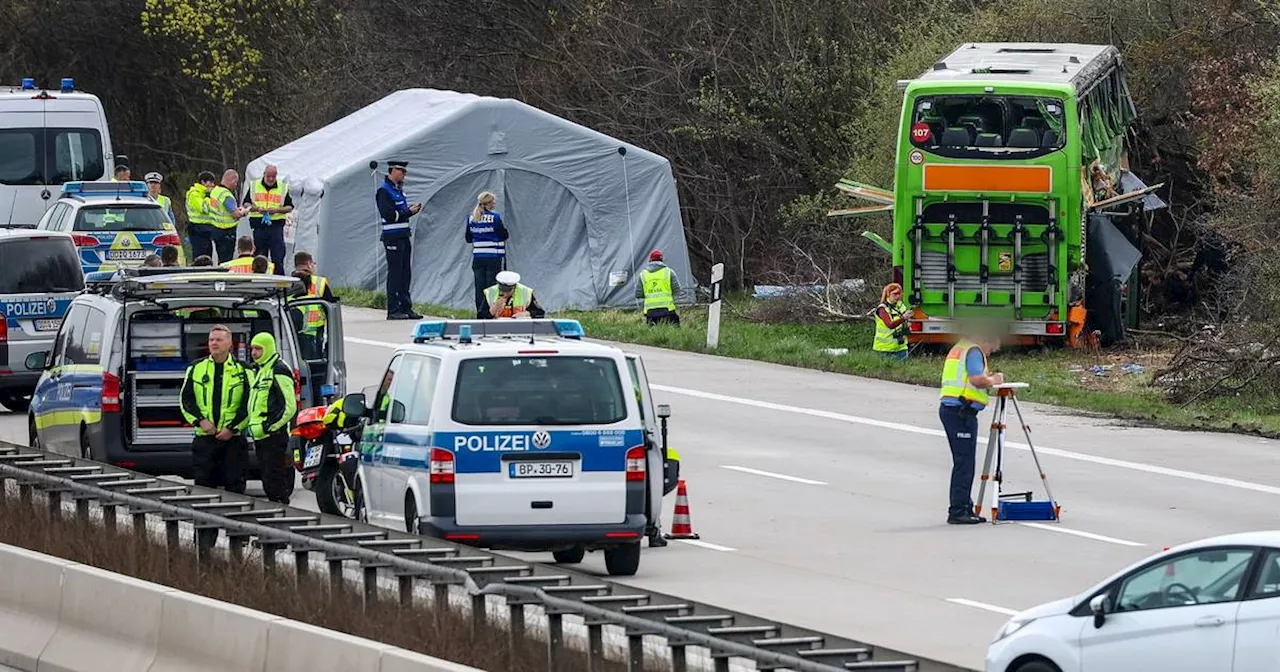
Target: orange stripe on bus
(951, 177)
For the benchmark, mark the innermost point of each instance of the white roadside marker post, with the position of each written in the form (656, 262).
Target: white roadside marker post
(713, 313)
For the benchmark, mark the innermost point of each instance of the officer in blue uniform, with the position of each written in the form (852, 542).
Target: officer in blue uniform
(395, 211)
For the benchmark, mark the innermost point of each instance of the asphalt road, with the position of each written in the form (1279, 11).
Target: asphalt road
(821, 499)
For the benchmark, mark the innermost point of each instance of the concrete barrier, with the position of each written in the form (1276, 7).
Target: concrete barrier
(60, 616)
(108, 622)
(30, 599)
(198, 634)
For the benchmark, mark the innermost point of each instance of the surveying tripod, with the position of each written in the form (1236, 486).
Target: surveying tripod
(1027, 509)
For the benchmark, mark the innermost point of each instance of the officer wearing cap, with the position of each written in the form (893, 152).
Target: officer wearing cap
(154, 180)
(395, 211)
(509, 299)
(657, 285)
(966, 380)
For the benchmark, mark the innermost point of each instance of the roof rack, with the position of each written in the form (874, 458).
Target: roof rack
(465, 330)
(105, 280)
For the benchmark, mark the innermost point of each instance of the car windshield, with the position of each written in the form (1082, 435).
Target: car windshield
(39, 265)
(539, 391)
(999, 126)
(120, 218)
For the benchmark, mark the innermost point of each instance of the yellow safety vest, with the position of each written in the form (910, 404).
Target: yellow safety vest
(885, 342)
(245, 265)
(657, 289)
(519, 299)
(219, 215)
(955, 377)
(264, 198)
(165, 203)
(198, 205)
(315, 314)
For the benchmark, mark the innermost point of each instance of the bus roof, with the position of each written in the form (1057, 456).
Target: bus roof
(1025, 62)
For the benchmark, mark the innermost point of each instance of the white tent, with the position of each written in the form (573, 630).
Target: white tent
(584, 210)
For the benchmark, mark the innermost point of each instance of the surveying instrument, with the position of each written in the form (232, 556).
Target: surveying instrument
(1019, 505)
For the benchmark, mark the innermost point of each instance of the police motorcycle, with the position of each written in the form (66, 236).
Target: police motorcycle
(327, 458)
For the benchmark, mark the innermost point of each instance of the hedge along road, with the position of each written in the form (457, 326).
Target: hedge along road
(821, 498)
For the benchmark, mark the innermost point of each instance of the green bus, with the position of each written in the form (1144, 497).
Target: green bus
(1012, 197)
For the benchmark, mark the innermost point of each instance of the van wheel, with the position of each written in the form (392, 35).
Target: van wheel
(622, 560)
(410, 514)
(570, 556)
(86, 450)
(33, 437)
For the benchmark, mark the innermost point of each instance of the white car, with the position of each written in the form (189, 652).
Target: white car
(1206, 606)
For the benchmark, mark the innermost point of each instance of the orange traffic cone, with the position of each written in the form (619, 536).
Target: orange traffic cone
(681, 526)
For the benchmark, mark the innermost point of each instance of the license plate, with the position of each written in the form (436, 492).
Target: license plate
(313, 457)
(127, 255)
(50, 324)
(541, 469)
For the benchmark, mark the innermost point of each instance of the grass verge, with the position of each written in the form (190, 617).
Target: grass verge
(443, 633)
(1105, 384)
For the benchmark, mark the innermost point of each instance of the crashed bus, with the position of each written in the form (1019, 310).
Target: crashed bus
(1012, 197)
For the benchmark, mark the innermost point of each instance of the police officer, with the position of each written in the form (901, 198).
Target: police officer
(269, 201)
(214, 400)
(891, 321)
(509, 298)
(965, 384)
(245, 253)
(199, 221)
(395, 211)
(487, 235)
(154, 180)
(311, 331)
(224, 214)
(272, 406)
(657, 285)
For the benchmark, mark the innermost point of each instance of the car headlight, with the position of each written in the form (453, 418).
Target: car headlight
(1013, 625)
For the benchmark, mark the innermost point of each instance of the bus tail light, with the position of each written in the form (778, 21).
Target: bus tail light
(916, 326)
(635, 464)
(110, 392)
(441, 466)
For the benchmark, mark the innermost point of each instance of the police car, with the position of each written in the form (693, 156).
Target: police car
(110, 382)
(39, 277)
(514, 435)
(114, 224)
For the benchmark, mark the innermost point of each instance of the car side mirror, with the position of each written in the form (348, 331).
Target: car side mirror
(354, 405)
(1098, 605)
(664, 410)
(397, 412)
(37, 361)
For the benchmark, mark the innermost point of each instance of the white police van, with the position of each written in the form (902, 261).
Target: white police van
(512, 435)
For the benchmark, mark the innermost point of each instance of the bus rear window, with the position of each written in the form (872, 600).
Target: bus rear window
(988, 125)
(538, 391)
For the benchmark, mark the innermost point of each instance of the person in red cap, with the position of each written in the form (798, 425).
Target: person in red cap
(658, 286)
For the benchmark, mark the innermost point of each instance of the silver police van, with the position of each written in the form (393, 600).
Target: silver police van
(39, 276)
(515, 435)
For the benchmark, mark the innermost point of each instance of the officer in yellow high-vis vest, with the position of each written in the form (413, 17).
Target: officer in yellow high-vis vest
(311, 334)
(657, 285)
(199, 221)
(509, 298)
(268, 201)
(245, 254)
(224, 215)
(966, 380)
(891, 323)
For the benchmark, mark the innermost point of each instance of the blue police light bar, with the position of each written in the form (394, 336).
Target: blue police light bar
(28, 83)
(68, 85)
(112, 189)
(440, 329)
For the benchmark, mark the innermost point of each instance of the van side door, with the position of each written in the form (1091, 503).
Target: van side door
(318, 325)
(379, 499)
(656, 460)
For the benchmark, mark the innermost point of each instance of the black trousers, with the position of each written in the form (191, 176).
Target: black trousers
(961, 426)
(269, 242)
(276, 464)
(201, 236)
(485, 270)
(219, 464)
(662, 316)
(224, 241)
(399, 272)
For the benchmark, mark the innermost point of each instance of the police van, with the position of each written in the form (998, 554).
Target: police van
(48, 137)
(111, 381)
(114, 224)
(39, 277)
(512, 435)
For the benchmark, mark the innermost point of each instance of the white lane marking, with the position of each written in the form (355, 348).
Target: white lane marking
(1078, 533)
(900, 427)
(913, 429)
(982, 605)
(770, 474)
(706, 544)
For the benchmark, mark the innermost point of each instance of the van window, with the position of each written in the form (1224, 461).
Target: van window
(120, 218)
(39, 265)
(539, 391)
(415, 387)
(34, 156)
(84, 335)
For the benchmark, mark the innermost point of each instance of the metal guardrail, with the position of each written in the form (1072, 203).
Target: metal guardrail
(411, 558)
